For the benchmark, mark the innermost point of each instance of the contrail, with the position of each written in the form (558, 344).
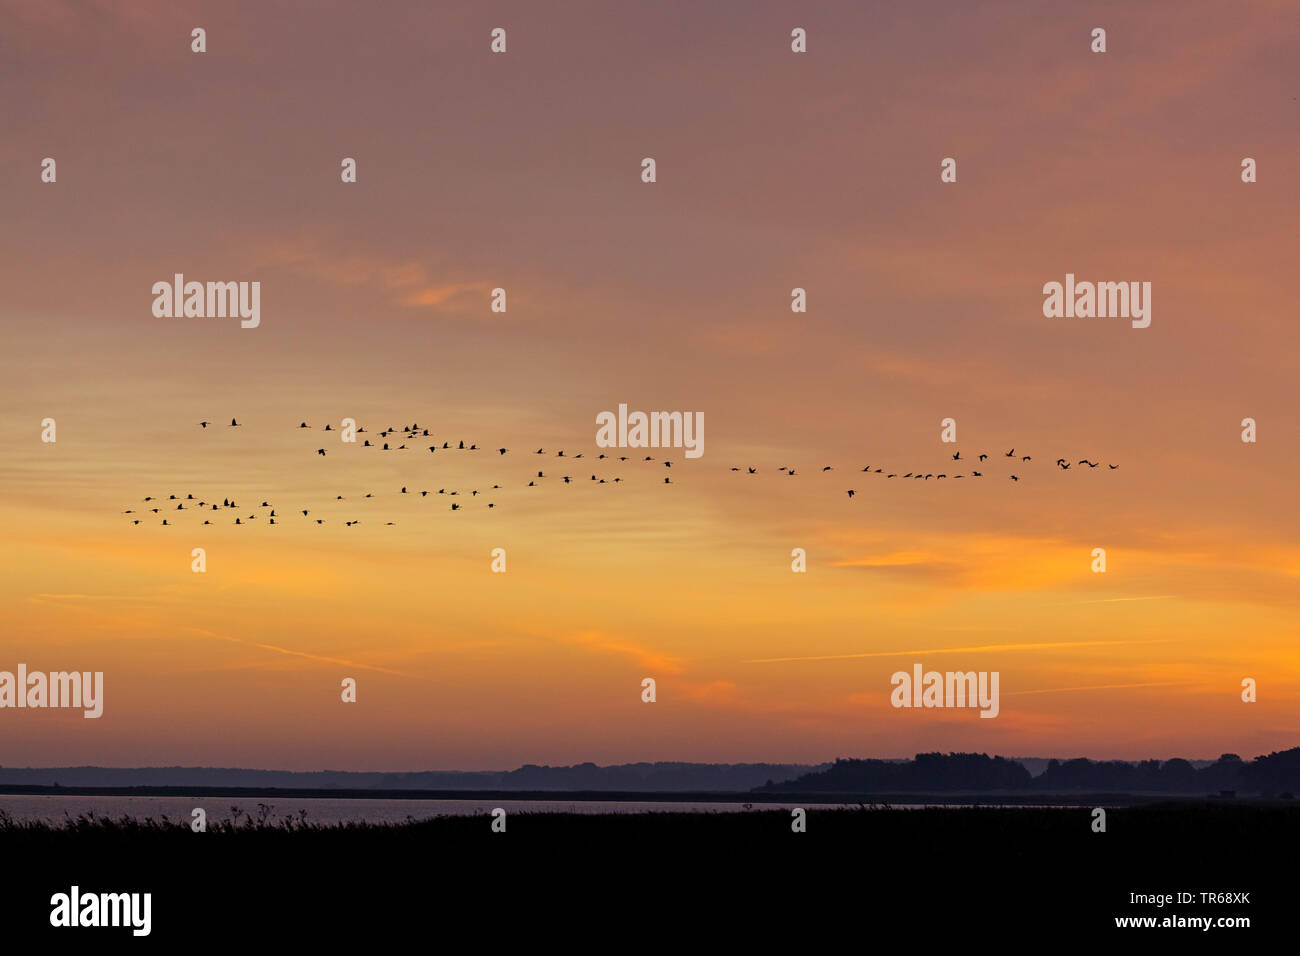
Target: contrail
(1053, 690)
(291, 653)
(952, 650)
(1153, 597)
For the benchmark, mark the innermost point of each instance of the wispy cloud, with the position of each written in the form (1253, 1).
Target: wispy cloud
(408, 283)
(655, 660)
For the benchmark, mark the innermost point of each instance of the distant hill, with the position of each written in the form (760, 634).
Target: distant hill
(664, 777)
(1275, 773)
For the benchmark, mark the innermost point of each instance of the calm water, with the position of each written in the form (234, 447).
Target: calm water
(55, 809)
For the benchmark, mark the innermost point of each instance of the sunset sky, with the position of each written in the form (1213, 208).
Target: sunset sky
(775, 170)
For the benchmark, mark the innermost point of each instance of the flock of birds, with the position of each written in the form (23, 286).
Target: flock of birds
(413, 436)
(1061, 463)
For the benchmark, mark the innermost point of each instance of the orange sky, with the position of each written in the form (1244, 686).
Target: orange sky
(775, 170)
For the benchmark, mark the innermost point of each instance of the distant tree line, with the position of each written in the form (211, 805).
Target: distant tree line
(1275, 773)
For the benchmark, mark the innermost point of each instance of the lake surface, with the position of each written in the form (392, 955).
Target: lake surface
(56, 808)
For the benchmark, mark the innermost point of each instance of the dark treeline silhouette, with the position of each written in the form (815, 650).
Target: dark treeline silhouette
(926, 772)
(1274, 774)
